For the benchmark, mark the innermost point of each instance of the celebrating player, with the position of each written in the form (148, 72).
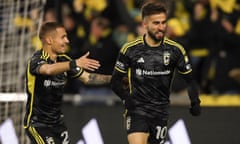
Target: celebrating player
(149, 63)
(47, 72)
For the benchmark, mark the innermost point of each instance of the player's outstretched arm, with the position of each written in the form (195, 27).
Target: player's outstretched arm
(53, 69)
(94, 78)
(60, 67)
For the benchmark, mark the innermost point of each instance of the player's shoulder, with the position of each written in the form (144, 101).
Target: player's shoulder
(171, 42)
(37, 53)
(38, 57)
(174, 44)
(128, 45)
(40, 54)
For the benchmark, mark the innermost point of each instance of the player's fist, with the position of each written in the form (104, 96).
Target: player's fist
(195, 109)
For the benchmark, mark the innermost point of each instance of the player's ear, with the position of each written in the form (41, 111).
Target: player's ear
(144, 23)
(48, 40)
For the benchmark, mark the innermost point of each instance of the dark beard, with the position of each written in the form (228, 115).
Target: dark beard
(152, 36)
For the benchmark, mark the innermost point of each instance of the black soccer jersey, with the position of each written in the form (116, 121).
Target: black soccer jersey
(45, 92)
(150, 71)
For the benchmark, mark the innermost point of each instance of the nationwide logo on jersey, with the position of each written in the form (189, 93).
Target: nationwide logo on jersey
(48, 83)
(139, 72)
(166, 58)
(142, 72)
(140, 60)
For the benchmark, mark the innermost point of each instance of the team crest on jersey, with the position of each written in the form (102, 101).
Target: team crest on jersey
(128, 122)
(166, 58)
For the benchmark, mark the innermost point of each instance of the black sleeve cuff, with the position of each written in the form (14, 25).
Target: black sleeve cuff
(72, 64)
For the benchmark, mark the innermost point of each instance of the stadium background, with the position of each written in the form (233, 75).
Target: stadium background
(213, 47)
(217, 125)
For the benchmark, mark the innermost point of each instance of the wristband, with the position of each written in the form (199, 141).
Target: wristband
(72, 64)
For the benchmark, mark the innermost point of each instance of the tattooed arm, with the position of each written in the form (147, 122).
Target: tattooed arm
(94, 78)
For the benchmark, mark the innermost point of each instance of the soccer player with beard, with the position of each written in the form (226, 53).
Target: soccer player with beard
(149, 63)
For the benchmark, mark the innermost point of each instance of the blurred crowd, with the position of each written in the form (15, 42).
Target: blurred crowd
(208, 29)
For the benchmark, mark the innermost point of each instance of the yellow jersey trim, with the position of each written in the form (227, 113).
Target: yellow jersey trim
(31, 79)
(132, 43)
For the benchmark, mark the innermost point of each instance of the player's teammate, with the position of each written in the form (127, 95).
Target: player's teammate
(47, 72)
(149, 63)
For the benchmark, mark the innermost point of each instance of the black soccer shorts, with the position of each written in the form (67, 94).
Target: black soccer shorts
(156, 128)
(48, 135)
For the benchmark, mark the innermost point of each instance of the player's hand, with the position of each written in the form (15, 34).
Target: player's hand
(87, 63)
(195, 109)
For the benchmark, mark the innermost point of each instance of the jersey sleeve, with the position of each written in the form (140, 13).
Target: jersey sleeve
(183, 65)
(121, 64)
(35, 63)
(119, 73)
(185, 68)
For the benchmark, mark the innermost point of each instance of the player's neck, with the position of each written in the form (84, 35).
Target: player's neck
(52, 55)
(151, 42)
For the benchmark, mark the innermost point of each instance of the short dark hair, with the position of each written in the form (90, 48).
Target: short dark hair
(151, 8)
(48, 27)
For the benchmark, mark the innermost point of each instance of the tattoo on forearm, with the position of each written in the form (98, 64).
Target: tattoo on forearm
(98, 79)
